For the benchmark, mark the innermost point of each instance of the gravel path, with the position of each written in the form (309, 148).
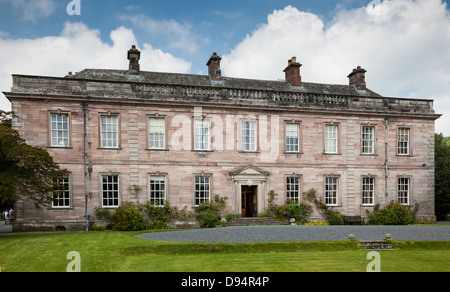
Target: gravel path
(276, 233)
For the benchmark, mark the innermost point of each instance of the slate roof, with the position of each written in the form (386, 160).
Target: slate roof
(226, 82)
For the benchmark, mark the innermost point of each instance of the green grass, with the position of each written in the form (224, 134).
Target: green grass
(121, 251)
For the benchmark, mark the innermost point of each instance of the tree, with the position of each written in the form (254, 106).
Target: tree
(25, 171)
(442, 176)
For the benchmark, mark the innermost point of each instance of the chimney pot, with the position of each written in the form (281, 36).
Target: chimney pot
(292, 72)
(358, 78)
(213, 64)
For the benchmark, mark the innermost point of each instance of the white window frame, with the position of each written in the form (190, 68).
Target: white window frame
(157, 187)
(59, 129)
(368, 190)
(293, 188)
(64, 196)
(292, 137)
(202, 134)
(112, 190)
(331, 190)
(249, 135)
(403, 140)
(109, 131)
(368, 140)
(156, 133)
(331, 139)
(403, 190)
(202, 189)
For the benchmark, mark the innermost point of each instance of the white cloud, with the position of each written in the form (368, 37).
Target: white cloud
(31, 10)
(77, 47)
(178, 35)
(403, 44)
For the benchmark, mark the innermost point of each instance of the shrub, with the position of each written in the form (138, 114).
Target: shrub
(103, 214)
(127, 217)
(292, 209)
(208, 213)
(97, 227)
(393, 214)
(333, 217)
(159, 216)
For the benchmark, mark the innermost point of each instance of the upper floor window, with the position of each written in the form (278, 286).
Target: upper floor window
(331, 139)
(156, 133)
(109, 131)
(59, 130)
(368, 140)
(249, 135)
(403, 141)
(201, 134)
(292, 137)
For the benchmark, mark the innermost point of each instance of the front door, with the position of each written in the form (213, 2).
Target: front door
(248, 201)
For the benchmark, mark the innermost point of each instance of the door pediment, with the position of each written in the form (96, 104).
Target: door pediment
(249, 170)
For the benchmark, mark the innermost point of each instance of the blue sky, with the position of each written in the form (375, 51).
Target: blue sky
(403, 44)
(209, 25)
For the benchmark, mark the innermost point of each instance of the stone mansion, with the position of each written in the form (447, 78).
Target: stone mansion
(183, 138)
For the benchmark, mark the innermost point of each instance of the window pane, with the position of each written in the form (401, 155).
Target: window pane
(109, 135)
(157, 190)
(331, 139)
(331, 190)
(403, 141)
(62, 196)
(110, 190)
(201, 193)
(292, 137)
(403, 190)
(292, 189)
(368, 184)
(201, 134)
(367, 140)
(157, 133)
(59, 130)
(249, 135)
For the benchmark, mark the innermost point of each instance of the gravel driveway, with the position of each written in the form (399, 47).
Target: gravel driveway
(275, 233)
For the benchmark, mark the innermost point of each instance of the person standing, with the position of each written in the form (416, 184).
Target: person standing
(11, 215)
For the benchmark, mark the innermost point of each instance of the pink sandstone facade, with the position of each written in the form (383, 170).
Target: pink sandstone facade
(184, 138)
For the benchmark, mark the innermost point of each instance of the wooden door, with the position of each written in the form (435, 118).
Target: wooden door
(248, 201)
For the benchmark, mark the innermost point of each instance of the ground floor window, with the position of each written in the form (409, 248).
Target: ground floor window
(158, 190)
(331, 191)
(61, 199)
(293, 188)
(368, 190)
(403, 187)
(201, 189)
(110, 190)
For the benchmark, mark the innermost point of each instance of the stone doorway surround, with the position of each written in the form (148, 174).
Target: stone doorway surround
(249, 176)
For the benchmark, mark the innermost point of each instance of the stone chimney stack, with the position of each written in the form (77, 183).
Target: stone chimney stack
(134, 55)
(214, 67)
(292, 72)
(358, 78)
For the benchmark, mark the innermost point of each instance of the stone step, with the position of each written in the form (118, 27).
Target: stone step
(376, 245)
(251, 221)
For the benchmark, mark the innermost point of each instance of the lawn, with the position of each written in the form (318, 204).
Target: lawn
(112, 251)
